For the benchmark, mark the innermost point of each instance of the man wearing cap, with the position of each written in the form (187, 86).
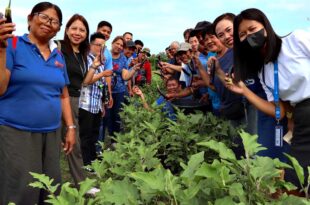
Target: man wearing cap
(144, 75)
(129, 49)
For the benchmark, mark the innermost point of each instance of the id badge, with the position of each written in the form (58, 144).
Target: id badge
(279, 136)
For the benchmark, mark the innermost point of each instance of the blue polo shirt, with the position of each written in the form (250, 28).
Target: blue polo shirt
(32, 100)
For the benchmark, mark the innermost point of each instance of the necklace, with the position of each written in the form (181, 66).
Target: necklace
(80, 61)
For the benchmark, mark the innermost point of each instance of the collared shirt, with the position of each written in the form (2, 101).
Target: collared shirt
(294, 69)
(91, 95)
(32, 101)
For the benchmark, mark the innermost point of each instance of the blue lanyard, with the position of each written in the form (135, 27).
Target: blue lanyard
(276, 92)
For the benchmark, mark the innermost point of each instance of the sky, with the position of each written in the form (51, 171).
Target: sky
(159, 22)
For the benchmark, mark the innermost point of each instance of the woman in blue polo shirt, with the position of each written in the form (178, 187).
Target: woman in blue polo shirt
(33, 97)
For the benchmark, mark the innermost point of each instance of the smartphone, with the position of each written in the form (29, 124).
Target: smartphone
(212, 72)
(102, 59)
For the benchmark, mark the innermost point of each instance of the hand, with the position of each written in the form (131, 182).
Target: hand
(96, 63)
(212, 60)
(171, 96)
(69, 141)
(136, 67)
(204, 98)
(197, 62)
(136, 90)
(5, 32)
(110, 105)
(236, 87)
(107, 73)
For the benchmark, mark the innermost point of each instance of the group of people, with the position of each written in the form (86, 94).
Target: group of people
(64, 91)
(251, 77)
(55, 92)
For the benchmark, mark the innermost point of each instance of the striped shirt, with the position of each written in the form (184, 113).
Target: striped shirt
(91, 95)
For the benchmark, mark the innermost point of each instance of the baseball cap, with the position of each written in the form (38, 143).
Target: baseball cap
(200, 26)
(147, 51)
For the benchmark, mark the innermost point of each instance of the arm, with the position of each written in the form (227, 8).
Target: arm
(259, 103)
(128, 74)
(203, 73)
(108, 80)
(136, 90)
(169, 66)
(5, 74)
(68, 119)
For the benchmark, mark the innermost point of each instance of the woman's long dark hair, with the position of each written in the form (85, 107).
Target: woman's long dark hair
(247, 62)
(84, 46)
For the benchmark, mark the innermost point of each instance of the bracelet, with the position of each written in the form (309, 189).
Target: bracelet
(71, 127)
(92, 67)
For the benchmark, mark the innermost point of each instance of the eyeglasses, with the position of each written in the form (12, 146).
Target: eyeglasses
(97, 44)
(46, 19)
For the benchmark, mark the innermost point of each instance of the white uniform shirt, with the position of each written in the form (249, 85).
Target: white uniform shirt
(294, 69)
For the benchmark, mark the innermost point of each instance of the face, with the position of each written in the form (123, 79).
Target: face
(185, 56)
(168, 54)
(76, 32)
(248, 27)
(173, 49)
(106, 31)
(95, 46)
(117, 46)
(129, 51)
(128, 37)
(186, 37)
(224, 32)
(44, 24)
(172, 86)
(138, 48)
(194, 43)
(212, 43)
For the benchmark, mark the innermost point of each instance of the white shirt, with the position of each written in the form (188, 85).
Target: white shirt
(294, 69)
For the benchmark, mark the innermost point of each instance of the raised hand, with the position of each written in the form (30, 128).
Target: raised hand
(6, 30)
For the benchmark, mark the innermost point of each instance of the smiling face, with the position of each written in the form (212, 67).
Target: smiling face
(96, 45)
(224, 32)
(212, 43)
(117, 46)
(106, 31)
(42, 25)
(194, 43)
(247, 27)
(172, 86)
(76, 32)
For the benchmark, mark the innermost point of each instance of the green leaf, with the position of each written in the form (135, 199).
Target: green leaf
(236, 189)
(251, 146)
(298, 169)
(225, 201)
(86, 185)
(194, 162)
(221, 148)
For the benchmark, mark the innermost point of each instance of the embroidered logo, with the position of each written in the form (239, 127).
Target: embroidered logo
(58, 64)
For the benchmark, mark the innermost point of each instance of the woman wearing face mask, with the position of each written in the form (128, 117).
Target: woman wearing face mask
(258, 122)
(282, 65)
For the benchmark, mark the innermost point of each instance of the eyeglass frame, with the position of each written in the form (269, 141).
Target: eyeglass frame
(48, 19)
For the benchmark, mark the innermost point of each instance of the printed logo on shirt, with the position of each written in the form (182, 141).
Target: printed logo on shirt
(58, 64)
(115, 66)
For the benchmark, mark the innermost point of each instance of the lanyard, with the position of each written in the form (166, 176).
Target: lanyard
(276, 92)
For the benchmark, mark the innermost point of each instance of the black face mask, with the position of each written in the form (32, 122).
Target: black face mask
(255, 40)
